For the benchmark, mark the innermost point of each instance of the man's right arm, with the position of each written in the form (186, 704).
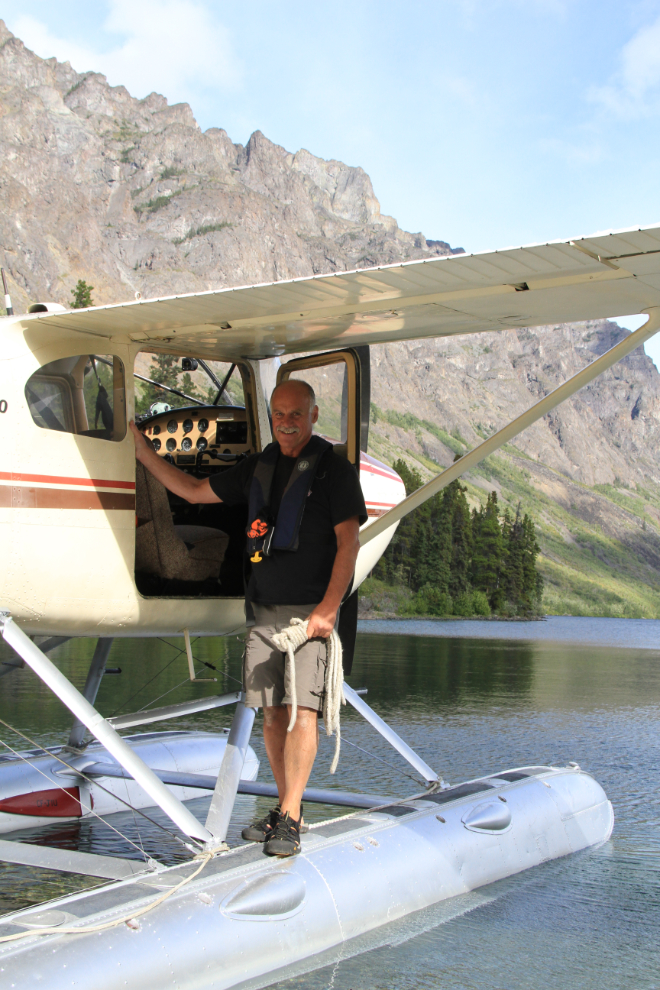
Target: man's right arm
(192, 489)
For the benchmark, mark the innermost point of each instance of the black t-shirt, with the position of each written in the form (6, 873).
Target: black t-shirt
(298, 577)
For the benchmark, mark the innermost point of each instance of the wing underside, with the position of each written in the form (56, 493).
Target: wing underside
(612, 274)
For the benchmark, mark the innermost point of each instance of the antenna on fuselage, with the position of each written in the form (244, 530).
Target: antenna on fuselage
(8, 305)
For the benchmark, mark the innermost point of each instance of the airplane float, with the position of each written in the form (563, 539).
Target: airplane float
(70, 495)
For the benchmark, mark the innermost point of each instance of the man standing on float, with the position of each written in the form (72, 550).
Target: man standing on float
(305, 507)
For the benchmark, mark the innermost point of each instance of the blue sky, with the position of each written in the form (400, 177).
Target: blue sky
(486, 123)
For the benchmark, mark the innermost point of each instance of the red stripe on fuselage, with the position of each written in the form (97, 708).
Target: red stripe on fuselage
(55, 480)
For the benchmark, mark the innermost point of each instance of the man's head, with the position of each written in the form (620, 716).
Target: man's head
(294, 411)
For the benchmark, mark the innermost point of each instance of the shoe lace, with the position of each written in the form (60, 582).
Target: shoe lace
(286, 828)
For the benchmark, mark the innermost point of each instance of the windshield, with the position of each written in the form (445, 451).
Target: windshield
(167, 381)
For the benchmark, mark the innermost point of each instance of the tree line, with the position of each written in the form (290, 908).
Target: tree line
(462, 562)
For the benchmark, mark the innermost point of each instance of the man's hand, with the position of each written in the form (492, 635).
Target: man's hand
(321, 622)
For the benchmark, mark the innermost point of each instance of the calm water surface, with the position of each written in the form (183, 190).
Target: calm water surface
(469, 706)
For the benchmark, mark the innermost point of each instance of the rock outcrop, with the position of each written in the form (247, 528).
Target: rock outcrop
(132, 196)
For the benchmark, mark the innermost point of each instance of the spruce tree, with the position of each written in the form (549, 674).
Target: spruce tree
(82, 295)
(461, 538)
(532, 580)
(487, 553)
(512, 577)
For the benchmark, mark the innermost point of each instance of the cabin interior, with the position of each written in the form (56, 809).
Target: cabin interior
(202, 417)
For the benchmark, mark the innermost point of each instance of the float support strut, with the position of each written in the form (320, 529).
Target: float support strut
(91, 689)
(390, 735)
(512, 429)
(229, 775)
(98, 726)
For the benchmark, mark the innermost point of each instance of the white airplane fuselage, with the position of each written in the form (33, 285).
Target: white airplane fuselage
(68, 509)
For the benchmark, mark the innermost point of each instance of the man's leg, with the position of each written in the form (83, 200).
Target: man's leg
(300, 749)
(291, 754)
(276, 720)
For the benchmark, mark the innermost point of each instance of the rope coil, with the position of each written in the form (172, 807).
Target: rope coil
(288, 641)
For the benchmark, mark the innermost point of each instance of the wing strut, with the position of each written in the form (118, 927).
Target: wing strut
(99, 727)
(512, 429)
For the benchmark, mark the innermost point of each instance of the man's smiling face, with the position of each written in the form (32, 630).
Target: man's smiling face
(293, 415)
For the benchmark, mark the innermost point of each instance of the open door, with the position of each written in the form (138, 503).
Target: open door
(341, 381)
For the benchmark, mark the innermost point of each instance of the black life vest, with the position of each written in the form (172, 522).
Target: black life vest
(265, 534)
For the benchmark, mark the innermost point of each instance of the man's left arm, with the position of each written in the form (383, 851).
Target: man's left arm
(322, 620)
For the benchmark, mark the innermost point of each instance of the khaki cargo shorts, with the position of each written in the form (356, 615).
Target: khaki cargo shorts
(263, 669)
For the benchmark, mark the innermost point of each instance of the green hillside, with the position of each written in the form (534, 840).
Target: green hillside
(598, 544)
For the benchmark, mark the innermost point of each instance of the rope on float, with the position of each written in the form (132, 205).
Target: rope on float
(288, 641)
(128, 919)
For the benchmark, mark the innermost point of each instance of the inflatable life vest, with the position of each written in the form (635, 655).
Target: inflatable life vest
(265, 534)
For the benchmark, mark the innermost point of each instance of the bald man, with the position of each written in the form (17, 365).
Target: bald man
(305, 507)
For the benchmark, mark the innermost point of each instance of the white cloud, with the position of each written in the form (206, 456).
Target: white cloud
(176, 47)
(634, 90)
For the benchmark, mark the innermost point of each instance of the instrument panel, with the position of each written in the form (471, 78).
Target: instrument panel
(199, 436)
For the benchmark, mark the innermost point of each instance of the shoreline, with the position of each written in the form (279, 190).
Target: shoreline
(576, 629)
(392, 616)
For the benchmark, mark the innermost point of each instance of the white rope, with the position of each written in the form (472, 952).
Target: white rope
(288, 641)
(126, 919)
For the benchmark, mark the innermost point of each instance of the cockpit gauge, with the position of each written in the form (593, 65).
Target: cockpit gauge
(171, 444)
(202, 443)
(187, 425)
(172, 427)
(156, 444)
(186, 443)
(202, 426)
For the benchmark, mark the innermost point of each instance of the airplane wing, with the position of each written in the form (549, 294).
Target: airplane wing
(611, 274)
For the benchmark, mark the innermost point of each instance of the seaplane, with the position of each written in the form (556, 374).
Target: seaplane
(71, 494)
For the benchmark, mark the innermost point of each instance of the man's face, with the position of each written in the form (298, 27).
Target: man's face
(293, 418)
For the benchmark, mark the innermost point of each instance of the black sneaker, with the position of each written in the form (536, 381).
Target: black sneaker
(284, 840)
(260, 829)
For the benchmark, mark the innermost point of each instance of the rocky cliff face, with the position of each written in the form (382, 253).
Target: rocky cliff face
(131, 195)
(473, 385)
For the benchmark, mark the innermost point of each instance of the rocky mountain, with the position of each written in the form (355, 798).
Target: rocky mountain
(131, 196)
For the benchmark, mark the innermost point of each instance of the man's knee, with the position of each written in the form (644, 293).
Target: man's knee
(275, 715)
(306, 716)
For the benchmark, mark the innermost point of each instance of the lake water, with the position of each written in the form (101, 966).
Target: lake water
(471, 698)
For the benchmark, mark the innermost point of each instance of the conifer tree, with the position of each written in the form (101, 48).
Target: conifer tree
(487, 553)
(82, 295)
(461, 538)
(462, 562)
(532, 580)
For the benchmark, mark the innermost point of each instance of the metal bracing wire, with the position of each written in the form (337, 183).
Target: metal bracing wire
(62, 788)
(381, 760)
(150, 681)
(179, 653)
(90, 780)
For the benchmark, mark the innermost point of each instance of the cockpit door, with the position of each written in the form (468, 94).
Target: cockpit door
(341, 381)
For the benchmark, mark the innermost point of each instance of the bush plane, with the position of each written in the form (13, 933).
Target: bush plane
(70, 497)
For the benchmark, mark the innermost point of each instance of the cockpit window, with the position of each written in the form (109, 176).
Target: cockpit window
(167, 381)
(84, 394)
